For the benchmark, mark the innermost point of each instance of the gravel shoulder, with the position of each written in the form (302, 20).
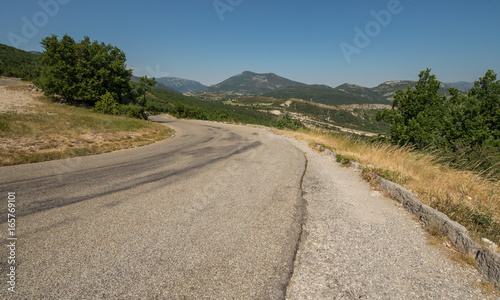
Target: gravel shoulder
(357, 244)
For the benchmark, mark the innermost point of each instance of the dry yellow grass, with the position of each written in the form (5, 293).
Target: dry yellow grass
(467, 197)
(44, 130)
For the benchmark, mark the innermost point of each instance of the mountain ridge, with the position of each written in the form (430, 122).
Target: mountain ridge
(250, 83)
(182, 85)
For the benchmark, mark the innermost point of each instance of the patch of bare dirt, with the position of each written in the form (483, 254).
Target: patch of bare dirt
(17, 97)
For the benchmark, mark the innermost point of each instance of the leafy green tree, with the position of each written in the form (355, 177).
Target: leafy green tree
(60, 60)
(101, 68)
(145, 86)
(84, 71)
(487, 108)
(416, 114)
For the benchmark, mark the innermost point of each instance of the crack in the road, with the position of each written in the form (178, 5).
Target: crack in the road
(302, 211)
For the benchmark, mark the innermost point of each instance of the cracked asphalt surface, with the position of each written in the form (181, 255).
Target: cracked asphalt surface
(212, 213)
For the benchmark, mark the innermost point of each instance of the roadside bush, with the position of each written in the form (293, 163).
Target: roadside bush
(133, 111)
(286, 122)
(108, 105)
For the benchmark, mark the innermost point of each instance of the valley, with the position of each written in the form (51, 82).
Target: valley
(348, 107)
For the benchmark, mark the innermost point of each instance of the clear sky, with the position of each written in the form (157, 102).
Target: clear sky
(364, 42)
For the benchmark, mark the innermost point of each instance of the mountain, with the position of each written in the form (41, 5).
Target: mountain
(461, 85)
(361, 92)
(249, 83)
(181, 85)
(347, 93)
(389, 88)
(272, 85)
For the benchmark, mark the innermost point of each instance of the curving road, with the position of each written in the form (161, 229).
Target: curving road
(214, 212)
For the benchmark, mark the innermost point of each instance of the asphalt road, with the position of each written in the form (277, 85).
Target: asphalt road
(213, 213)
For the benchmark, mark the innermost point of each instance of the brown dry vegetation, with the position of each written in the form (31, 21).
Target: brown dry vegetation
(34, 129)
(466, 197)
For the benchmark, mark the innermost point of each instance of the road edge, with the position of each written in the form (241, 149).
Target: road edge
(488, 261)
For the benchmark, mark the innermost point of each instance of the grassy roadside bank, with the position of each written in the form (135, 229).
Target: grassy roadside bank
(45, 130)
(464, 196)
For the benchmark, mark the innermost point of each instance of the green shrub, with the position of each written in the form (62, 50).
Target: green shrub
(344, 160)
(287, 122)
(107, 104)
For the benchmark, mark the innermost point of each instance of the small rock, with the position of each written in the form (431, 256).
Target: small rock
(489, 243)
(329, 152)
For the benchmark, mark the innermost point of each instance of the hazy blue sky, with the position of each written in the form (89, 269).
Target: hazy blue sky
(209, 41)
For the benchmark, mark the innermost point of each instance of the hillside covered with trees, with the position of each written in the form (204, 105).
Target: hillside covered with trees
(18, 63)
(324, 95)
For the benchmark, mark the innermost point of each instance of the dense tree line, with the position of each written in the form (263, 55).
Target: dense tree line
(465, 127)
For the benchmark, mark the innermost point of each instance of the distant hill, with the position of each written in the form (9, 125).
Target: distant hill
(18, 63)
(461, 85)
(368, 94)
(348, 93)
(249, 83)
(389, 88)
(181, 85)
(329, 96)
(158, 85)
